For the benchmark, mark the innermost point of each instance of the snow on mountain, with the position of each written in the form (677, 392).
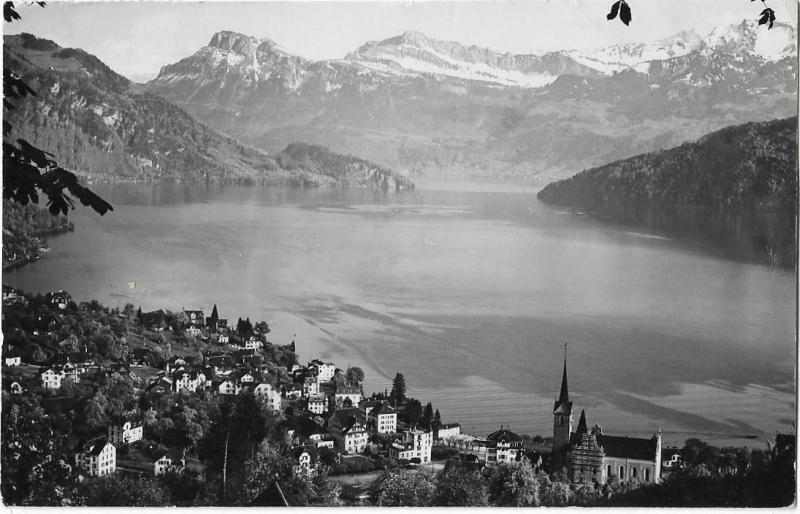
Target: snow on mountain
(415, 53)
(744, 39)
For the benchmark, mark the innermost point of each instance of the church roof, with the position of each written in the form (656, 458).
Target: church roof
(582, 423)
(623, 447)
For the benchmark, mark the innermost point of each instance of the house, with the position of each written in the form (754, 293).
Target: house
(303, 430)
(367, 405)
(193, 331)
(127, 432)
(59, 299)
(671, 459)
(349, 428)
(317, 404)
(10, 294)
(413, 444)
(253, 344)
(347, 392)
(195, 318)
(159, 386)
(310, 386)
(12, 358)
(268, 394)
(227, 386)
(448, 431)
(503, 446)
(382, 419)
(324, 370)
(592, 456)
(72, 372)
(97, 457)
(52, 377)
(171, 461)
(293, 390)
(143, 357)
(184, 380)
(306, 458)
(175, 363)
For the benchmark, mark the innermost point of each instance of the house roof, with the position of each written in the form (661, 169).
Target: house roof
(304, 425)
(383, 408)
(347, 389)
(346, 418)
(504, 435)
(449, 425)
(94, 446)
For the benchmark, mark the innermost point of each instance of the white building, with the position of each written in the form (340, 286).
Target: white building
(317, 404)
(170, 461)
(12, 360)
(347, 392)
(325, 370)
(413, 444)
(126, 433)
(97, 458)
(347, 425)
(267, 394)
(382, 419)
(52, 377)
(448, 431)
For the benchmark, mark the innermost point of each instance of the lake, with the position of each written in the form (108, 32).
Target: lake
(469, 290)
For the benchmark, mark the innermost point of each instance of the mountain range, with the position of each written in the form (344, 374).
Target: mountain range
(419, 104)
(106, 127)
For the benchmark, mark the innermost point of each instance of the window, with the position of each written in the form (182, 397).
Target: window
(633, 472)
(608, 471)
(647, 474)
(621, 473)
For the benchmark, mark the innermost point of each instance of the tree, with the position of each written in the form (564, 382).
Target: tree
(413, 411)
(28, 170)
(395, 488)
(96, 411)
(427, 416)
(457, 486)
(513, 484)
(355, 375)
(398, 394)
(436, 423)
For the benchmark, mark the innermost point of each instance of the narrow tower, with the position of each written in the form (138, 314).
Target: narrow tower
(562, 423)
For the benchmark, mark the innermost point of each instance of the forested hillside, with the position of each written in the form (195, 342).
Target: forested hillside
(750, 166)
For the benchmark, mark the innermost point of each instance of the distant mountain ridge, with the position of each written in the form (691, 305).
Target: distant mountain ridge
(415, 103)
(750, 166)
(108, 128)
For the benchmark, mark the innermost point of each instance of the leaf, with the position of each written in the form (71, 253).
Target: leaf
(9, 13)
(767, 16)
(625, 12)
(614, 10)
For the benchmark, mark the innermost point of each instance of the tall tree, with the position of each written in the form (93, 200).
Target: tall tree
(427, 416)
(398, 394)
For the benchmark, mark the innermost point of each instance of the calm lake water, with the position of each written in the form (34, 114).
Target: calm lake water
(470, 291)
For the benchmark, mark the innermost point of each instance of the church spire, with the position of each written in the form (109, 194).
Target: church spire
(564, 396)
(582, 429)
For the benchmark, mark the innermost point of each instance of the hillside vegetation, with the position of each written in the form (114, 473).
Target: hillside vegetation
(106, 127)
(744, 167)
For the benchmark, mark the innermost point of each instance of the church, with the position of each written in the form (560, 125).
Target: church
(589, 455)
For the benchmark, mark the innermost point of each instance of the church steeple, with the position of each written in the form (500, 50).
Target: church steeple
(562, 423)
(563, 404)
(564, 396)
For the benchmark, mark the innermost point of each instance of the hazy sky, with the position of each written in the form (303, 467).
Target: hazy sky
(137, 38)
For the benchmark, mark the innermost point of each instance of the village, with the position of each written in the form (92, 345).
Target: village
(143, 396)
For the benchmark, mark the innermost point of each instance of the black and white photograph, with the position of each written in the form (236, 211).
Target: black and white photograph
(360, 254)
